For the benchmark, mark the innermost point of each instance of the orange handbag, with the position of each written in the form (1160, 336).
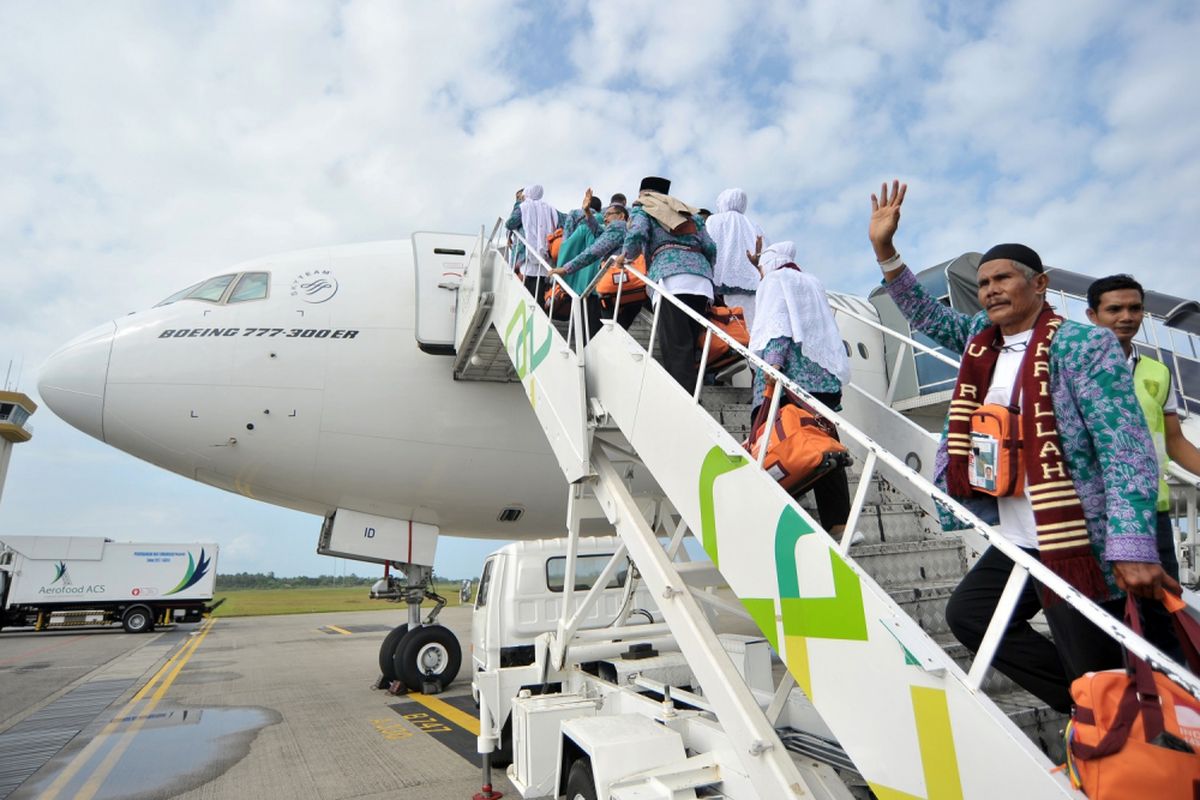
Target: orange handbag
(628, 276)
(801, 447)
(1135, 732)
(731, 321)
(554, 244)
(996, 462)
(556, 302)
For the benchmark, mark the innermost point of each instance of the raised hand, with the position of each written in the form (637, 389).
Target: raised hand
(757, 254)
(587, 199)
(885, 219)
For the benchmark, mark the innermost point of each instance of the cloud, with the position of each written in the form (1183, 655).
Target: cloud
(145, 146)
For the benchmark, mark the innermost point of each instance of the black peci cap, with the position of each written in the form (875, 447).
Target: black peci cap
(1014, 252)
(653, 183)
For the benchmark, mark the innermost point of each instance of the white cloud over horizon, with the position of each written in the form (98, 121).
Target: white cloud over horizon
(147, 145)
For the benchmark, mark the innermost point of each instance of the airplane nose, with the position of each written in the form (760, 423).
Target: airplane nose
(72, 380)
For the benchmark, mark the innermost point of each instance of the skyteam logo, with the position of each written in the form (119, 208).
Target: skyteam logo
(60, 574)
(315, 286)
(197, 569)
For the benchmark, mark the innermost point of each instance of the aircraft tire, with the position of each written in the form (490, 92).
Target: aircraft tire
(137, 619)
(580, 783)
(387, 652)
(431, 649)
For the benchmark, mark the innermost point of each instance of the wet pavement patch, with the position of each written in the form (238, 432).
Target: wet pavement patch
(173, 751)
(428, 722)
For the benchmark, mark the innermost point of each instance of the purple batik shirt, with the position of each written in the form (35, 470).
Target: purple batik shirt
(1105, 440)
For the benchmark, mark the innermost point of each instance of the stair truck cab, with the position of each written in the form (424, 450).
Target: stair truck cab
(50, 582)
(620, 696)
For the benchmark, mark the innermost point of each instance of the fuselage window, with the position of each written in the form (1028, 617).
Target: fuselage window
(212, 289)
(251, 286)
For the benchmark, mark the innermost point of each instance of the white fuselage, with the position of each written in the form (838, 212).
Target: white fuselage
(318, 396)
(314, 402)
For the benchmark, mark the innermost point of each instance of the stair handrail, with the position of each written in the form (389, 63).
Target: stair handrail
(579, 320)
(895, 334)
(1024, 565)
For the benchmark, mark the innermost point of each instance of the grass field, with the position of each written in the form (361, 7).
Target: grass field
(259, 602)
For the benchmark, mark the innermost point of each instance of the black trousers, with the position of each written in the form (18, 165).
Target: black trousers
(1041, 667)
(832, 492)
(535, 282)
(626, 314)
(677, 335)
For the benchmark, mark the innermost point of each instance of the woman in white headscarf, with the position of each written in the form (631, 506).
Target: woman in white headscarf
(794, 331)
(734, 277)
(536, 220)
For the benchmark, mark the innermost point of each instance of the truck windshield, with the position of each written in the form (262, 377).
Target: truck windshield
(484, 583)
(587, 571)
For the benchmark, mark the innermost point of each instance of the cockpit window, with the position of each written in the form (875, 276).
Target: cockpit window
(212, 289)
(251, 286)
(182, 293)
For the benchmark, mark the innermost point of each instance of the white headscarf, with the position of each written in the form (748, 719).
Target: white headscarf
(538, 220)
(794, 305)
(734, 234)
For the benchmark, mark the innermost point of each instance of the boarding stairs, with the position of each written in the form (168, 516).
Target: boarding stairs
(860, 629)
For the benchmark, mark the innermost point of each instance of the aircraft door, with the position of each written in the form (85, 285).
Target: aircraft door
(439, 260)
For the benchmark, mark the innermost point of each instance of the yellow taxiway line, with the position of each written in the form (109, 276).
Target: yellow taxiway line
(171, 669)
(460, 718)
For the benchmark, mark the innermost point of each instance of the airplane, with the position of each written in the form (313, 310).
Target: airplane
(323, 381)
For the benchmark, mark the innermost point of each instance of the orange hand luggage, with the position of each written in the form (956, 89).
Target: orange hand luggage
(1135, 732)
(801, 447)
(629, 277)
(731, 321)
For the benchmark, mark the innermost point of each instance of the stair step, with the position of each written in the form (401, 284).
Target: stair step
(898, 522)
(1040, 723)
(912, 563)
(715, 398)
(926, 604)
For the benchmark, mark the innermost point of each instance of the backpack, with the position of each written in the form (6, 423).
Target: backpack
(628, 276)
(1135, 732)
(731, 321)
(801, 447)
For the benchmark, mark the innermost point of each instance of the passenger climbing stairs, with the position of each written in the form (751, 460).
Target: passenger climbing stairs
(861, 629)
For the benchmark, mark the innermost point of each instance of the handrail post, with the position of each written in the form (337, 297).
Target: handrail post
(860, 497)
(894, 378)
(703, 366)
(768, 424)
(997, 627)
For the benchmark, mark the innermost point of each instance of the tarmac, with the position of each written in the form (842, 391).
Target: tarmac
(244, 707)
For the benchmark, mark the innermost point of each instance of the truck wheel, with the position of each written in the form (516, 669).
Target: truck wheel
(429, 653)
(580, 783)
(387, 652)
(138, 619)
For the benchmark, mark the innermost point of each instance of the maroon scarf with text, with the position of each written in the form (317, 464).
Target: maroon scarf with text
(1063, 542)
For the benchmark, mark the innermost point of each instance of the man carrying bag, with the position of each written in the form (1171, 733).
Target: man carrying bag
(1087, 506)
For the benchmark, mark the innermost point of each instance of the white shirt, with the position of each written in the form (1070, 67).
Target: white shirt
(1017, 523)
(686, 283)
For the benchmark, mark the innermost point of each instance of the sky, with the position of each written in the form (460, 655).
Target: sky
(144, 146)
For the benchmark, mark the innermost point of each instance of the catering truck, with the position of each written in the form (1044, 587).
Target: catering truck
(49, 582)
